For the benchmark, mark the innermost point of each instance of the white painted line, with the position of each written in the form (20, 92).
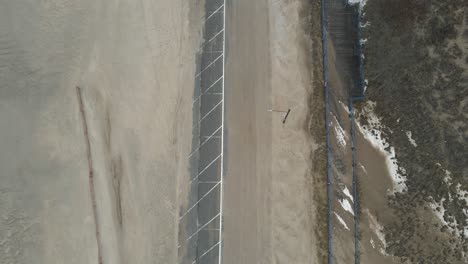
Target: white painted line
(216, 11)
(209, 112)
(195, 261)
(212, 38)
(209, 65)
(193, 206)
(213, 52)
(201, 228)
(213, 84)
(206, 140)
(206, 168)
(220, 237)
(212, 135)
(212, 182)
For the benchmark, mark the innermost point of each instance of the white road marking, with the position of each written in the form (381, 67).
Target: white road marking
(222, 147)
(206, 140)
(193, 206)
(215, 36)
(206, 168)
(212, 182)
(213, 52)
(211, 39)
(209, 112)
(206, 252)
(209, 65)
(201, 228)
(216, 11)
(207, 89)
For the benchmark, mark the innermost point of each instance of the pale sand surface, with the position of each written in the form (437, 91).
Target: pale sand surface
(134, 62)
(292, 206)
(268, 206)
(247, 203)
(373, 202)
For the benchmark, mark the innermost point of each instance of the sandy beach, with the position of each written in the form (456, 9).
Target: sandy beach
(134, 63)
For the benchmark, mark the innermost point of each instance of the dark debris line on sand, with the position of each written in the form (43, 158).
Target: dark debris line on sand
(91, 172)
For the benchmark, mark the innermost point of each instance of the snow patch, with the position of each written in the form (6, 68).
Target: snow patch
(345, 107)
(365, 85)
(372, 133)
(452, 226)
(382, 251)
(438, 207)
(366, 24)
(461, 194)
(362, 3)
(341, 221)
(341, 136)
(346, 206)
(439, 211)
(363, 168)
(411, 140)
(347, 193)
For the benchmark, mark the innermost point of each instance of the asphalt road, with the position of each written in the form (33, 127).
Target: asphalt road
(199, 236)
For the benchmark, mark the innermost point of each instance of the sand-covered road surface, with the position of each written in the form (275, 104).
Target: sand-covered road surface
(134, 62)
(269, 209)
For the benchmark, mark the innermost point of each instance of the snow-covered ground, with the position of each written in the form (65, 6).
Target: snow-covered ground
(439, 210)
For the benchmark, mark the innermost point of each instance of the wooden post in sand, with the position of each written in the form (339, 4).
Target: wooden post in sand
(285, 113)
